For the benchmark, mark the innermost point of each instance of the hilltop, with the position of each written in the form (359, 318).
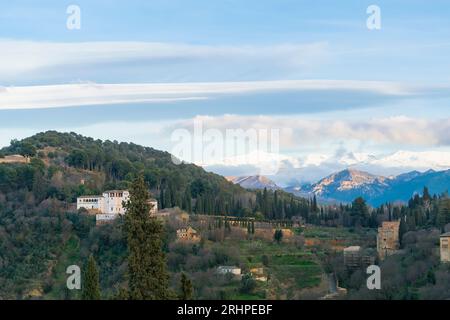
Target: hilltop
(67, 165)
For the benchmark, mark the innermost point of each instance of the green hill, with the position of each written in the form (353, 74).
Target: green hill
(67, 165)
(41, 233)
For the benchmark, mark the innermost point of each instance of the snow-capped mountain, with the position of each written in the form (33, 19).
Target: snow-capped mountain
(288, 170)
(347, 180)
(346, 185)
(254, 182)
(437, 160)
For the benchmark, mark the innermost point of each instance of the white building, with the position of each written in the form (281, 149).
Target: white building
(111, 202)
(109, 205)
(91, 203)
(114, 200)
(229, 269)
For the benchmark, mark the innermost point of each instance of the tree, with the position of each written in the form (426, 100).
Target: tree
(444, 213)
(248, 284)
(147, 274)
(186, 287)
(90, 284)
(265, 260)
(426, 195)
(402, 230)
(278, 235)
(314, 208)
(359, 212)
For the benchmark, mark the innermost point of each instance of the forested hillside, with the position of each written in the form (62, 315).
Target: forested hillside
(41, 232)
(66, 165)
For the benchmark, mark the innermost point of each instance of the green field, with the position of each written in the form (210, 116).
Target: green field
(288, 268)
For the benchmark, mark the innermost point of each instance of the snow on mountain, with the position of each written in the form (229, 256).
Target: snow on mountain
(254, 182)
(287, 170)
(346, 185)
(437, 160)
(347, 180)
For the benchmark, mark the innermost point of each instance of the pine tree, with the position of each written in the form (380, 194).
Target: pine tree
(315, 208)
(443, 216)
(148, 278)
(186, 287)
(278, 235)
(90, 284)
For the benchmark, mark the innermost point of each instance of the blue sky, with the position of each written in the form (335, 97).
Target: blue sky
(321, 66)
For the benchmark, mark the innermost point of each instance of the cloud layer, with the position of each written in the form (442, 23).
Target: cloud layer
(52, 62)
(51, 96)
(297, 132)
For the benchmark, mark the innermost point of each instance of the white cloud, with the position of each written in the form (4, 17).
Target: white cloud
(51, 96)
(43, 60)
(302, 132)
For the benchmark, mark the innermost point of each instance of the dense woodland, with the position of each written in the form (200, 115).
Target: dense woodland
(38, 222)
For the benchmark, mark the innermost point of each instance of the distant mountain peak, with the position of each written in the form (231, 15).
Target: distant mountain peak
(254, 182)
(346, 180)
(348, 184)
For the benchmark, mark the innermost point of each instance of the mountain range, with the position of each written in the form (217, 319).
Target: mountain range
(348, 184)
(293, 170)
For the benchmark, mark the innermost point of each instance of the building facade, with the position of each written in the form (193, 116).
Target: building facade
(93, 204)
(110, 202)
(388, 239)
(110, 205)
(355, 257)
(236, 271)
(352, 257)
(188, 234)
(114, 201)
(445, 247)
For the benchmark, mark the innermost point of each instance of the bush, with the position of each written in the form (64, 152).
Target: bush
(248, 284)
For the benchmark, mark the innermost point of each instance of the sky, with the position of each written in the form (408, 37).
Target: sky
(335, 92)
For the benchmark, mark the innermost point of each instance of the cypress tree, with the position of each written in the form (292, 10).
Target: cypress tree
(186, 287)
(278, 235)
(90, 284)
(147, 275)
